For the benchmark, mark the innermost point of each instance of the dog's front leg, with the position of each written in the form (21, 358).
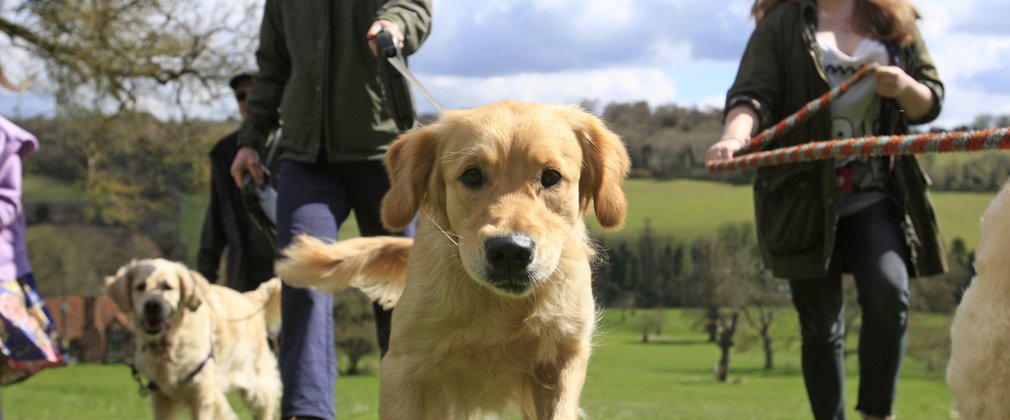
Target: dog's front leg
(404, 397)
(164, 407)
(211, 404)
(558, 386)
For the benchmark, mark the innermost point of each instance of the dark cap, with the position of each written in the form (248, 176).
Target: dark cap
(239, 78)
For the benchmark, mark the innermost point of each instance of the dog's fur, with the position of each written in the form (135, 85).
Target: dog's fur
(979, 369)
(180, 321)
(496, 305)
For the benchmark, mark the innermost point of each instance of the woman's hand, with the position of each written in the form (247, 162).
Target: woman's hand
(892, 81)
(913, 97)
(725, 148)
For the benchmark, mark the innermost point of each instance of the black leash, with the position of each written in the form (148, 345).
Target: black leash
(395, 82)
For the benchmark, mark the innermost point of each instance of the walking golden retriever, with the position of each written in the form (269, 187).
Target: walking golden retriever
(493, 301)
(979, 369)
(195, 341)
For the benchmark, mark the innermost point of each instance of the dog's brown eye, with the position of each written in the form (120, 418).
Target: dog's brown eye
(550, 178)
(140, 287)
(472, 178)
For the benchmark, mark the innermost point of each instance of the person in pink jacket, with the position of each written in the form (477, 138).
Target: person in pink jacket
(28, 341)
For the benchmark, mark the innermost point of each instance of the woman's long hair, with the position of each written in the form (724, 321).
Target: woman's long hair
(883, 20)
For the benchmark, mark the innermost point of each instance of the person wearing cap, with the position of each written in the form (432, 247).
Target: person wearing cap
(319, 73)
(227, 228)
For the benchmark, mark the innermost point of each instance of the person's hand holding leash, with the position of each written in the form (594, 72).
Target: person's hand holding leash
(892, 81)
(725, 148)
(379, 26)
(247, 160)
(913, 97)
(740, 123)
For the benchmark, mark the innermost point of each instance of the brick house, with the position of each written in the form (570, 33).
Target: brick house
(93, 327)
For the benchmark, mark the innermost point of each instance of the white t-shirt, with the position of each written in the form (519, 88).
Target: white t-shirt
(855, 114)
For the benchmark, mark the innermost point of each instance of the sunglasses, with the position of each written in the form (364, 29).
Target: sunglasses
(241, 96)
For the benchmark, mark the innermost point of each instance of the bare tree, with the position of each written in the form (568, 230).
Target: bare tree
(111, 53)
(651, 322)
(354, 331)
(718, 293)
(117, 69)
(766, 296)
(729, 282)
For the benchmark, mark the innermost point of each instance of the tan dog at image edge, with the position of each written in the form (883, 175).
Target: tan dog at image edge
(494, 306)
(978, 372)
(194, 342)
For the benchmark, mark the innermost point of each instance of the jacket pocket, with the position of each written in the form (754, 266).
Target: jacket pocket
(789, 209)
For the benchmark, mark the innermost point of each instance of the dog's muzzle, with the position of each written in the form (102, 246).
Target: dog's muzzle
(155, 313)
(508, 261)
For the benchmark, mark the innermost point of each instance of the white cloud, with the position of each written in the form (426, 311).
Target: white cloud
(606, 85)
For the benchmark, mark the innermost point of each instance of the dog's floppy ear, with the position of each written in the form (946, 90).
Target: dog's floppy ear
(189, 293)
(605, 165)
(119, 287)
(409, 163)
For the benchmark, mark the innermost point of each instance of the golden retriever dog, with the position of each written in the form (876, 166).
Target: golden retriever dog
(494, 306)
(195, 341)
(978, 372)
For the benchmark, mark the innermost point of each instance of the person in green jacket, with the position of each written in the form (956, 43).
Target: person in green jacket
(318, 74)
(871, 217)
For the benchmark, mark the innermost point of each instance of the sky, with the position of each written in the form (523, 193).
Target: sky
(682, 52)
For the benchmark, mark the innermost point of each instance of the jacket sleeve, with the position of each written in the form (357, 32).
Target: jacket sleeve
(414, 19)
(10, 190)
(268, 84)
(924, 71)
(212, 237)
(758, 77)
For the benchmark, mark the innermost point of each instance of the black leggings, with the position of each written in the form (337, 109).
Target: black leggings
(872, 246)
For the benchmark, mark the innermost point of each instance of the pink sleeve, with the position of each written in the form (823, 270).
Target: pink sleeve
(10, 190)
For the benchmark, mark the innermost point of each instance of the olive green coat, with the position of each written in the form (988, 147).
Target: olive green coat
(795, 206)
(318, 75)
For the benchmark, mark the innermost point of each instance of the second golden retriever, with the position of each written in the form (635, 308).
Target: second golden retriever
(979, 368)
(194, 341)
(494, 304)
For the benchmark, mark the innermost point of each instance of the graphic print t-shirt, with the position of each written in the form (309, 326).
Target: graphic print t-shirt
(855, 114)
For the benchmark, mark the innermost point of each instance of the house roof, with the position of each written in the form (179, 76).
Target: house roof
(69, 317)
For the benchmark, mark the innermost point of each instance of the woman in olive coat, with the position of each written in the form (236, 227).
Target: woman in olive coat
(870, 217)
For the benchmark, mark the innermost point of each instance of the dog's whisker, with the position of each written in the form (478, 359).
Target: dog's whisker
(444, 232)
(450, 157)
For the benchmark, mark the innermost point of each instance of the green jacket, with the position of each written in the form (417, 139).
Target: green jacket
(795, 208)
(318, 75)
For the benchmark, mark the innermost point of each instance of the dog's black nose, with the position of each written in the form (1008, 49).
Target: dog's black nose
(509, 254)
(153, 309)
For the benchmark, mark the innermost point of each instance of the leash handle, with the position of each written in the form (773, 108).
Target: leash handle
(387, 45)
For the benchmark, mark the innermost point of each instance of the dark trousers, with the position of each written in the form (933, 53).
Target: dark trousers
(315, 199)
(871, 245)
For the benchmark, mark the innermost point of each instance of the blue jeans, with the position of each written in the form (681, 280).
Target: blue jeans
(871, 245)
(315, 199)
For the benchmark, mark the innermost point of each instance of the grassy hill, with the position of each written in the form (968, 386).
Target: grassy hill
(686, 209)
(681, 209)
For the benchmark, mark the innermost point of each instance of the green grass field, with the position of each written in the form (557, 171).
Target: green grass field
(37, 188)
(670, 378)
(686, 209)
